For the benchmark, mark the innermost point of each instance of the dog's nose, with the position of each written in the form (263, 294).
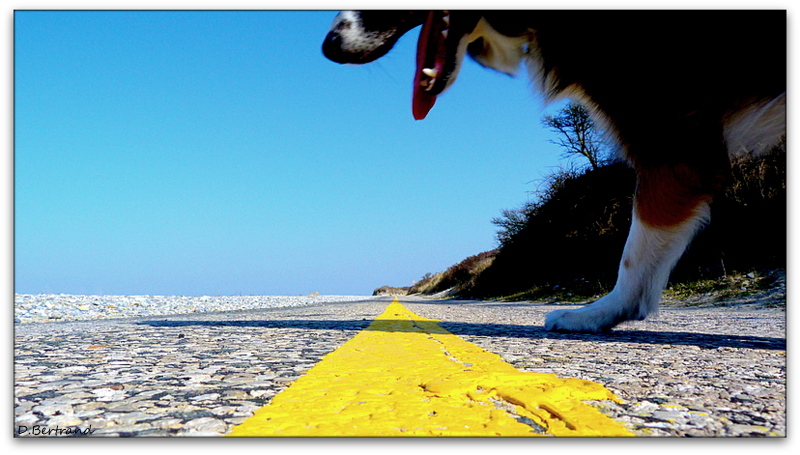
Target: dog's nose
(332, 49)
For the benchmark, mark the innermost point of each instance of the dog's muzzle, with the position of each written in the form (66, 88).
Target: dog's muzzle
(361, 37)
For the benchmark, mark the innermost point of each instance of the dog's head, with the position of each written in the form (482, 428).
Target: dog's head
(494, 39)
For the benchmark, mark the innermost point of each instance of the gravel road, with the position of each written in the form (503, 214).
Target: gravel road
(685, 372)
(697, 371)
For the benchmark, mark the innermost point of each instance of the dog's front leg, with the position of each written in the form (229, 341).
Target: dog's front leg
(668, 211)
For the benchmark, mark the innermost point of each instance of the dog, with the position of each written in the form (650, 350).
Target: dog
(680, 92)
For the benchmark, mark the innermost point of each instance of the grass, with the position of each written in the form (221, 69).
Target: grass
(583, 291)
(577, 291)
(732, 285)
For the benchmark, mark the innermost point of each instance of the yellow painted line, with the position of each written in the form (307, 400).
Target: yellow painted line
(404, 375)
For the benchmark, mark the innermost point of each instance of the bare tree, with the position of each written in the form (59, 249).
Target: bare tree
(511, 222)
(577, 133)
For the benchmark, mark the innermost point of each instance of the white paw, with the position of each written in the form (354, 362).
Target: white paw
(597, 317)
(580, 320)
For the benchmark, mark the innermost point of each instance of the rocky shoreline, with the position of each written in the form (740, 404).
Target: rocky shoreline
(63, 307)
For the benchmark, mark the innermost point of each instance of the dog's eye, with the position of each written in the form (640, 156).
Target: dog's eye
(389, 20)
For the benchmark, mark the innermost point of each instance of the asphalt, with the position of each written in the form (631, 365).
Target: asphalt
(717, 371)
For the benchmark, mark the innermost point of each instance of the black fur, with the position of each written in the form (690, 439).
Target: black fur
(674, 87)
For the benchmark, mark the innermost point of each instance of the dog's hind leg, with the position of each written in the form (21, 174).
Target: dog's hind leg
(669, 209)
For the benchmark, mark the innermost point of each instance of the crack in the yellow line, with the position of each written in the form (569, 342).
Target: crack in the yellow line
(499, 403)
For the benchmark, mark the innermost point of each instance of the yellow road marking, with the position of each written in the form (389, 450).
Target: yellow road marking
(404, 375)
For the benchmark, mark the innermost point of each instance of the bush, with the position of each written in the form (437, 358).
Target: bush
(576, 231)
(569, 241)
(459, 277)
(748, 223)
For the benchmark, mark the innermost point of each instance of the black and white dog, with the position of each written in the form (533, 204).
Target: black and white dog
(680, 91)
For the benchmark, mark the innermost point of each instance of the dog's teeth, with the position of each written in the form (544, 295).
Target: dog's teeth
(446, 20)
(444, 34)
(430, 72)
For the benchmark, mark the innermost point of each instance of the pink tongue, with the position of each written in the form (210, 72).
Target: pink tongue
(423, 100)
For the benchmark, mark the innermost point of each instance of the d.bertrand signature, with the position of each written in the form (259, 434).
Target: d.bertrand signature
(42, 430)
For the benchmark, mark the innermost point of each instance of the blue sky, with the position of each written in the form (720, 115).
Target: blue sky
(193, 153)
